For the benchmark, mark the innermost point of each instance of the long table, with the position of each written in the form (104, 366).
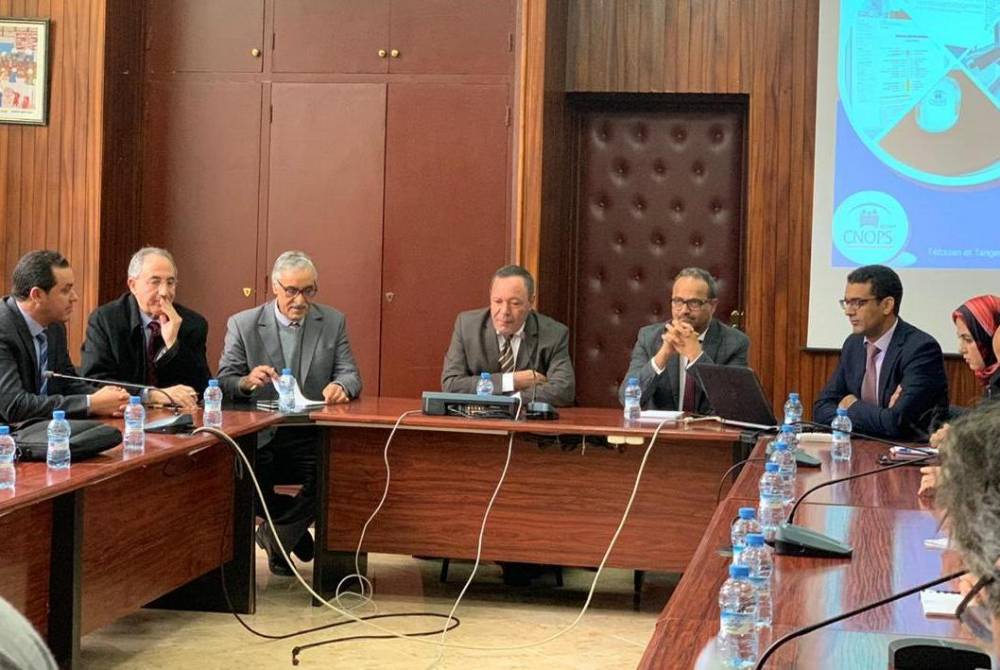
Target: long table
(880, 516)
(116, 532)
(560, 502)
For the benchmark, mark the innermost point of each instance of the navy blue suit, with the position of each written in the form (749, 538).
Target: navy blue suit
(912, 360)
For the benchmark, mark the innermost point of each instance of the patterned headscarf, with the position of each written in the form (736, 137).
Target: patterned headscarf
(981, 316)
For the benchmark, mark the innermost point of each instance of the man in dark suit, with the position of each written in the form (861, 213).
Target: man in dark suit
(890, 376)
(522, 350)
(666, 357)
(144, 337)
(33, 342)
(310, 339)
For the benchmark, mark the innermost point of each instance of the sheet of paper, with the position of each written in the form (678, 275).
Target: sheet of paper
(940, 603)
(657, 415)
(936, 543)
(301, 402)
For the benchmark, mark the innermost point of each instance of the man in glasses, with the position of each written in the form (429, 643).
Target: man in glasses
(311, 339)
(666, 356)
(890, 376)
(144, 337)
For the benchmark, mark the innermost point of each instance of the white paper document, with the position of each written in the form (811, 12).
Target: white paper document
(302, 403)
(940, 603)
(658, 415)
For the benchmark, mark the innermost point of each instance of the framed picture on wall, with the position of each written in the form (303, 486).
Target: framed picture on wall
(24, 71)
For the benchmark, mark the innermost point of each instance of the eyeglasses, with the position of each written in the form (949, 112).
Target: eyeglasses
(854, 303)
(292, 291)
(694, 304)
(975, 617)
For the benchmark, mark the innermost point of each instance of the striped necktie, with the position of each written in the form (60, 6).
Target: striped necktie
(506, 355)
(43, 363)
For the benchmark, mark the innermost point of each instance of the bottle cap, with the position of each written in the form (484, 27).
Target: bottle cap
(58, 415)
(4, 430)
(484, 375)
(793, 396)
(841, 411)
(781, 445)
(213, 382)
(739, 571)
(755, 540)
(134, 400)
(286, 371)
(633, 380)
(747, 513)
(771, 467)
(787, 428)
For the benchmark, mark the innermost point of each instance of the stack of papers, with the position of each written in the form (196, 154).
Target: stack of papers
(657, 415)
(302, 403)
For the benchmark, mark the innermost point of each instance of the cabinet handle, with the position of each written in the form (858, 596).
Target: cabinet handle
(382, 53)
(255, 52)
(394, 53)
(389, 296)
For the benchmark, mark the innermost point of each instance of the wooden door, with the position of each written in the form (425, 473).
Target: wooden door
(205, 35)
(326, 179)
(201, 172)
(446, 221)
(324, 36)
(452, 36)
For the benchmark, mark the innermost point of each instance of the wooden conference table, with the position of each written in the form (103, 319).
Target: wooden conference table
(560, 502)
(82, 547)
(880, 516)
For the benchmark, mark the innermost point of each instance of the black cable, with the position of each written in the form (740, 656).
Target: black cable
(437, 631)
(725, 475)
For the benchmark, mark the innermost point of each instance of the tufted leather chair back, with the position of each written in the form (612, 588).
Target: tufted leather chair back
(659, 190)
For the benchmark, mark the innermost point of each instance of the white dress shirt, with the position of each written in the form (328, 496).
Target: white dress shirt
(507, 379)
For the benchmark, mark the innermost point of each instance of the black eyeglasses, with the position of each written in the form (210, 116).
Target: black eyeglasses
(694, 304)
(854, 303)
(292, 291)
(976, 617)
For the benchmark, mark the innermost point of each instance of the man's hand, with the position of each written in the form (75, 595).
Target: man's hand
(170, 323)
(666, 349)
(847, 401)
(896, 395)
(335, 394)
(108, 400)
(684, 339)
(928, 480)
(185, 396)
(939, 436)
(525, 379)
(259, 376)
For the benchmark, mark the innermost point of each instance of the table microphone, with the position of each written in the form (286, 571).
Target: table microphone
(178, 423)
(799, 632)
(538, 410)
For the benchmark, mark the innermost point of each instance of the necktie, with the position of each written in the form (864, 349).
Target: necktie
(153, 346)
(43, 363)
(506, 355)
(689, 389)
(869, 387)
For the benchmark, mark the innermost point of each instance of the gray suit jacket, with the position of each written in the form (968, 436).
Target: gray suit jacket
(545, 348)
(722, 346)
(252, 339)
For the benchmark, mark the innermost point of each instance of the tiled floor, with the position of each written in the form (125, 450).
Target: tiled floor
(611, 635)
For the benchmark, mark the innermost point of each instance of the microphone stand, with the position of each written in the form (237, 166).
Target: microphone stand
(538, 410)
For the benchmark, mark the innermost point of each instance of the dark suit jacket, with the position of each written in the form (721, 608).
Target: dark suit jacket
(544, 348)
(19, 399)
(722, 346)
(912, 360)
(115, 347)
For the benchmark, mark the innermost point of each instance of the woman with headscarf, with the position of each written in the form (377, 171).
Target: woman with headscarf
(977, 324)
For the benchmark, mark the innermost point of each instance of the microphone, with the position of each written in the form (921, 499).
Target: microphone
(178, 423)
(792, 540)
(538, 410)
(846, 615)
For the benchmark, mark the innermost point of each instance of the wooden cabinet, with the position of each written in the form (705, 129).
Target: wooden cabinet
(393, 173)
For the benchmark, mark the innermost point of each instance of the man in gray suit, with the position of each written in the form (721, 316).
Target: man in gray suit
(523, 351)
(289, 332)
(666, 357)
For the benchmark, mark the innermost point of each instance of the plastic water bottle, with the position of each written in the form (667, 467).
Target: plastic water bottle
(633, 398)
(212, 415)
(840, 450)
(286, 391)
(759, 559)
(790, 436)
(737, 639)
(793, 412)
(771, 510)
(745, 524)
(8, 475)
(485, 384)
(57, 455)
(135, 425)
(786, 469)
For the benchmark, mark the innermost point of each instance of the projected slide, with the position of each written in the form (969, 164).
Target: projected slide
(918, 134)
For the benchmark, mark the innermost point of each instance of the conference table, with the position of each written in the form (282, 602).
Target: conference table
(879, 515)
(564, 493)
(82, 547)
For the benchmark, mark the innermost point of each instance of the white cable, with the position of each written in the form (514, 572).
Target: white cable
(437, 644)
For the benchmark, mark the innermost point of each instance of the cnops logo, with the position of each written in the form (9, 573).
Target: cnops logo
(870, 227)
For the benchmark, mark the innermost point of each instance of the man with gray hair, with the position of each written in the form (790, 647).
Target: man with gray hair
(144, 337)
(666, 356)
(311, 339)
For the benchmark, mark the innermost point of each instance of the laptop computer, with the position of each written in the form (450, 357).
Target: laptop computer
(736, 395)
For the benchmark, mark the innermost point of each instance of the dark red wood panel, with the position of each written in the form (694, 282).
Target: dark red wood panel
(446, 221)
(24, 561)
(452, 36)
(201, 170)
(205, 36)
(324, 36)
(326, 185)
